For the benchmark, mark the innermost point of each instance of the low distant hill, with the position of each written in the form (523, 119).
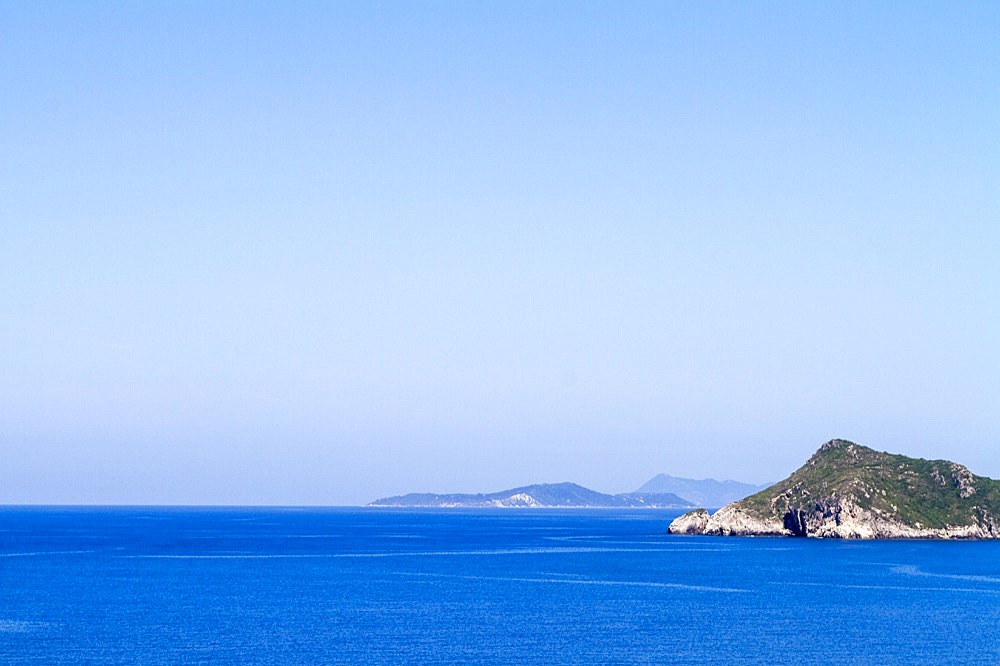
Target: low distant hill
(543, 495)
(707, 493)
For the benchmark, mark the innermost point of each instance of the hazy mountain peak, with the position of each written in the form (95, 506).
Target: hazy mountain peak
(708, 493)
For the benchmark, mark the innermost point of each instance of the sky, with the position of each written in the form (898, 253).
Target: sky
(318, 253)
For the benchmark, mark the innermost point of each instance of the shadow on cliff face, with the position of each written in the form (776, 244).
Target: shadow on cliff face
(795, 522)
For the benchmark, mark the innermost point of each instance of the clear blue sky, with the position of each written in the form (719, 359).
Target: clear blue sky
(315, 253)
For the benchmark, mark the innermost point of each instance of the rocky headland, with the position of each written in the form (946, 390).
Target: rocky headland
(850, 491)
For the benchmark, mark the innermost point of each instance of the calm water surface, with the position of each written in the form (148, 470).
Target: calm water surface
(377, 586)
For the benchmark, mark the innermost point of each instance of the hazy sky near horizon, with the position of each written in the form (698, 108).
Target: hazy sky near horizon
(317, 253)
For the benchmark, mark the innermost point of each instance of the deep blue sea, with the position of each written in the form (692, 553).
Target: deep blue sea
(380, 586)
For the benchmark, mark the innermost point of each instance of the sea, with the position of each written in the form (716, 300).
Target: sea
(143, 585)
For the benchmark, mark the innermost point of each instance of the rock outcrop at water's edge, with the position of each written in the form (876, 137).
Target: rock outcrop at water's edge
(693, 522)
(732, 520)
(853, 492)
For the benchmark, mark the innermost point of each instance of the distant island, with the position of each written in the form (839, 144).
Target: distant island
(707, 493)
(850, 491)
(543, 495)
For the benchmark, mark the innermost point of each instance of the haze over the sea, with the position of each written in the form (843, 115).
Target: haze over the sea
(319, 253)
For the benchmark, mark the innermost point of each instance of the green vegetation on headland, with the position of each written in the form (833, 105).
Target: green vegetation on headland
(851, 491)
